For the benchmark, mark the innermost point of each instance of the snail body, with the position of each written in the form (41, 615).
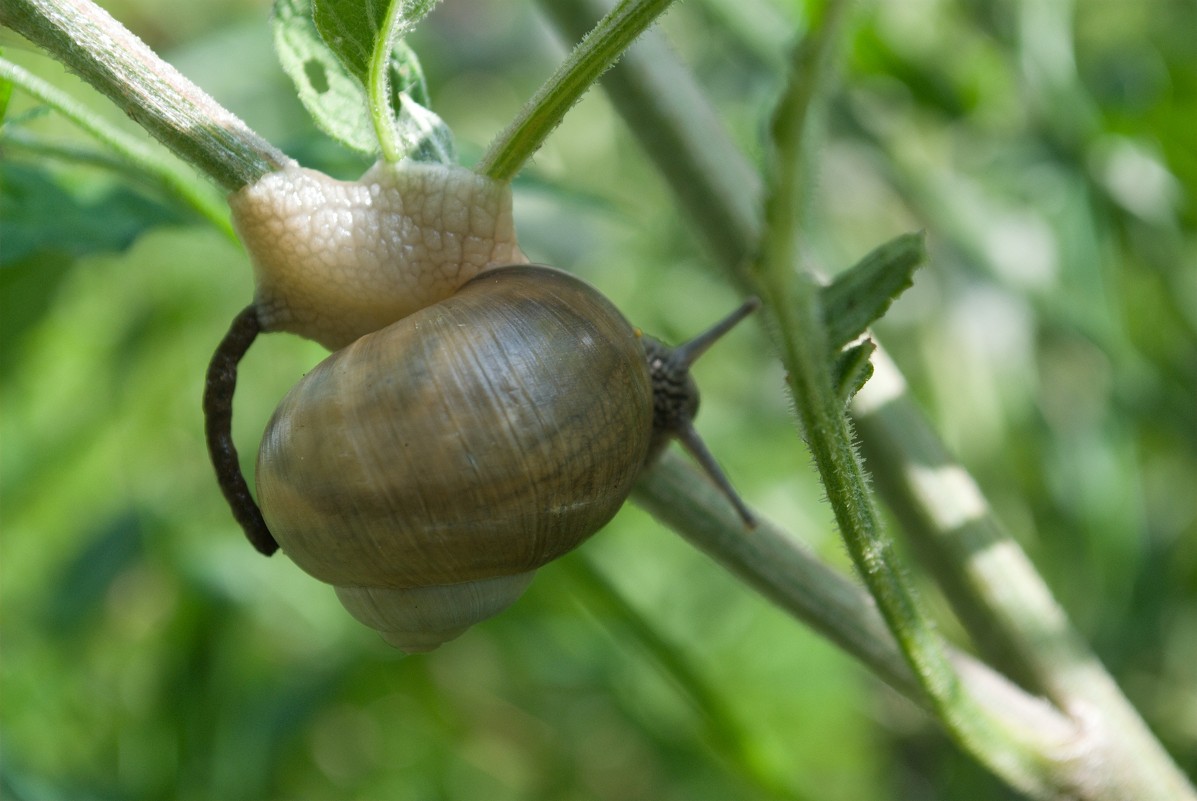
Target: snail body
(478, 417)
(334, 260)
(478, 438)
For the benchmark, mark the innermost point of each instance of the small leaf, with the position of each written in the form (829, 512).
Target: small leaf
(862, 294)
(407, 76)
(333, 95)
(355, 29)
(328, 48)
(424, 135)
(853, 368)
(37, 215)
(351, 28)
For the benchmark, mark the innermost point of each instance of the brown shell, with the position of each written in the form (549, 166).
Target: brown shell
(481, 436)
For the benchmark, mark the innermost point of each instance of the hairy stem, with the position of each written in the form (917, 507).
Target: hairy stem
(712, 181)
(171, 108)
(794, 302)
(378, 89)
(593, 56)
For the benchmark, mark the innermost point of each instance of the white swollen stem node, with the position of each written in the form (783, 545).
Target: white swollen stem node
(334, 260)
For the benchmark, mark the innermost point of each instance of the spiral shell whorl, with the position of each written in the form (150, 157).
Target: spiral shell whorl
(480, 437)
(417, 619)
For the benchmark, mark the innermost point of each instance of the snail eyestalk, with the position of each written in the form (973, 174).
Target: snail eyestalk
(219, 385)
(675, 400)
(684, 355)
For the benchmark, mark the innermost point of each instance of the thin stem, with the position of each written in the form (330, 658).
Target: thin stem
(794, 301)
(717, 188)
(593, 56)
(164, 172)
(175, 111)
(378, 88)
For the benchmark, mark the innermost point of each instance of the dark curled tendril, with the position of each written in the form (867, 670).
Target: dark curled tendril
(219, 385)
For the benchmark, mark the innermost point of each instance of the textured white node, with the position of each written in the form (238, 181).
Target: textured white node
(334, 260)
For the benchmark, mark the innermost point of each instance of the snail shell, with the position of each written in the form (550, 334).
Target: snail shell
(430, 467)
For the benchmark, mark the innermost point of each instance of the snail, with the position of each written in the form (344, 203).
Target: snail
(428, 468)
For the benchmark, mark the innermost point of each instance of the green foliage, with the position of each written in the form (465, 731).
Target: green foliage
(40, 216)
(852, 369)
(355, 30)
(5, 95)
(859, 296)
(149, 653)
(46, 227)
(339, 54)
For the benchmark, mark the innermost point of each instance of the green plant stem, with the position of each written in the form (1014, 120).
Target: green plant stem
(790, 575)
(378, 88)
(793, 300)
(712, 181)
(162, 171)
(175, 111)
(593, 56)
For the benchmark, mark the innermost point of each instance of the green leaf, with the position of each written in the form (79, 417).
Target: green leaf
(329, 49)
(333, 95)
(351, 28)
(852, 369)
(44, 229)
(37, 216)
(407, 76)
(355, 29)
(422, 135)
(862, 294)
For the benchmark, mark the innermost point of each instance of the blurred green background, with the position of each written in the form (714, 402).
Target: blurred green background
(1046, 147)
